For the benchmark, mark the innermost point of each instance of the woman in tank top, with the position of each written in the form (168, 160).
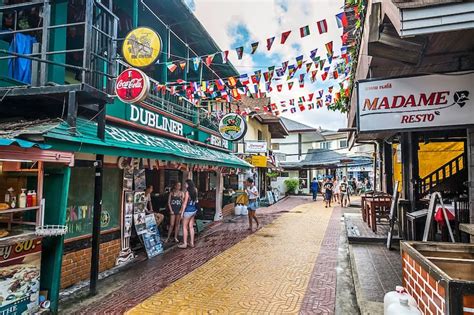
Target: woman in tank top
(188, 213)
(175, 202)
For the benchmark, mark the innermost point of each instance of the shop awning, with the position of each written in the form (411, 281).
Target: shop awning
(324, 158)
(23, 144)
(125, 142)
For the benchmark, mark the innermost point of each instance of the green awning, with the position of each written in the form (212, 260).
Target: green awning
(23, 143)
(125, 142)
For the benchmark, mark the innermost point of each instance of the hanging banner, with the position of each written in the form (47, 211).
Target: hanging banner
(259, 160)
(141, 47)
(132, 85)
(232, 127)
(420, 102)
(255, 147)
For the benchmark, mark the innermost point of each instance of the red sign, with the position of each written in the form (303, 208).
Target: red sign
(132, 86)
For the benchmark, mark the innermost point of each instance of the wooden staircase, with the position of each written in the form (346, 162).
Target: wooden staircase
(449, 176)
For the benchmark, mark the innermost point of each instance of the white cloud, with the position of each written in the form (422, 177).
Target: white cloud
(224, 20)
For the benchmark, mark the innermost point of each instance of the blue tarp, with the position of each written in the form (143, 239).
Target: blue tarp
(20, 68)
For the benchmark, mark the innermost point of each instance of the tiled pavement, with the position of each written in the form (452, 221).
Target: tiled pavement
(268, 272)
(131, 287)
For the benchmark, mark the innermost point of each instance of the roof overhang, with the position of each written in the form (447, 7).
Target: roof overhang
(276, 128)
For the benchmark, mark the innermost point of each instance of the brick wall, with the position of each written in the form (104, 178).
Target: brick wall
(76, 265)
(428, 293)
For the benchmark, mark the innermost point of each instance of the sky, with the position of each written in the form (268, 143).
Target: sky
(234, 23)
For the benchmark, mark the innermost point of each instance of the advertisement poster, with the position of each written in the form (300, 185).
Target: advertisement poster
(20, 277)
(139, 207)
(139, 179)
(151, 237)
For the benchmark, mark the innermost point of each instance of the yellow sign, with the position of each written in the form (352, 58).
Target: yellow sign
(259, 160)
(141, 47)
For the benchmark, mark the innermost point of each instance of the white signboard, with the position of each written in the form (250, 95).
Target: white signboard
(219, 142)
(255, 146)
(416, 102)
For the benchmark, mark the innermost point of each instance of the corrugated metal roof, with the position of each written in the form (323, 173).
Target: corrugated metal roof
(292, 125)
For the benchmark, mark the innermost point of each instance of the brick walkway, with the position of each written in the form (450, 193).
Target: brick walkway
(269, 272)
(131, 287)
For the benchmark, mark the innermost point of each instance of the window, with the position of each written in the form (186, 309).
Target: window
(285, 174)
(343, 143)
(275, 146)
(326, 145)
(260, 135)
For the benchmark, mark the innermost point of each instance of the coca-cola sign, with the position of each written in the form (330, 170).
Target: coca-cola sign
(132, 86)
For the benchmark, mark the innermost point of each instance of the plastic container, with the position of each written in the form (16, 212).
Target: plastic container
(394, 297)
(22, 199)
(402, 307)
(245, 211)
(29, 199)
(34, 198)
(238, 209)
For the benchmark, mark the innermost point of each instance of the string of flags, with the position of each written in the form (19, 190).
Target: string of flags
(321, 28)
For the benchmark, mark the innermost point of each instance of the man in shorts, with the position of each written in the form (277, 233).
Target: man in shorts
(252, 193)
(344, 192)
(328, 188)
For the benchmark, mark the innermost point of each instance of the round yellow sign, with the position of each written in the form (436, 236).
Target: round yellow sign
(141, 47)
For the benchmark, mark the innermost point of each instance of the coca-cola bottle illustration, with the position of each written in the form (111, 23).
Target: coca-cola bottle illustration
(129, 86)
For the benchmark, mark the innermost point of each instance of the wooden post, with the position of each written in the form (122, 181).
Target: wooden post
(469, 163)
(388, 167)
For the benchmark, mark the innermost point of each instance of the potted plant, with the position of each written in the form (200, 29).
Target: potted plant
(291, 185)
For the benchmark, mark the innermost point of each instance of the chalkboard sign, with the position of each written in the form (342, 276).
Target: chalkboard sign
(81, 200)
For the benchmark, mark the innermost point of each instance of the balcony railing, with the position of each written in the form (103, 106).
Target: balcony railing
(38, 49)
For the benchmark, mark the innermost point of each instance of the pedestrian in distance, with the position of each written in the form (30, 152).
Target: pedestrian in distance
(175, 203)
(252, 193)
(314, 188)
(336, 190)
(188, 213)
(344, 192)
(328, 190)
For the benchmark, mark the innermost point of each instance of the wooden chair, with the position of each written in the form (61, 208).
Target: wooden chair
(378, 208)
(363, 204)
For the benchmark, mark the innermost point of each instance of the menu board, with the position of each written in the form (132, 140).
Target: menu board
(151, 238)
(20, 265)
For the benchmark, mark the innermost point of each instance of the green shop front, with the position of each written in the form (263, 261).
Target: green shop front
(142, 147)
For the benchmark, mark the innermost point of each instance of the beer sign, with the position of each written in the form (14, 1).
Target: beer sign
(132, 86)
(141, 47)
(232, 127)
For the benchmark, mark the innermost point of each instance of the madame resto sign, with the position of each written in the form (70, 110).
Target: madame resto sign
(415, 102)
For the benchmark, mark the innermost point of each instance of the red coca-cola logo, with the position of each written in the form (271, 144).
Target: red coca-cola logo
(132, 86)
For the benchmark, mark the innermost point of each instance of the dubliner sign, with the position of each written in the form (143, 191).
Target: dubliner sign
(416, 102)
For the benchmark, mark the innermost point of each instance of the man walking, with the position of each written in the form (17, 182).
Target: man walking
(314, 188)
(328, 189)
(344, 191)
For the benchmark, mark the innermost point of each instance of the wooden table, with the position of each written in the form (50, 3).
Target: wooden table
(372, 204)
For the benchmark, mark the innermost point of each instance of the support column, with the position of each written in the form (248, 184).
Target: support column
(470, 165)
(387, 168)
(219, 195)
(409, 147)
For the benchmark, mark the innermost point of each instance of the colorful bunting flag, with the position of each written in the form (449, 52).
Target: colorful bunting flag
(310, 96)
(329, 58)
(335, 74)
(196, 62)
(341, 20)
(304, 31)
(209, 59)
(321, 63)
(244, 79)
(310, 106)
(322, 26)
(320, 92)
(292, 110)
(280, 72)
(253, 78)
(291, 71)
(308, 66)
(319, 104)
(268, 86)
(182, 65)
(344, 38)
(299, 61)
(270, 42)
(258, 75)
(290, 85)
(301, 80)
(301, 106)
(220, 84)
(254, 47)
(313, 53)
(271, 70)
(240, 52)
(279, 87)
(329, 48)
(292, 102)
(232, 81)
(325, 74)
(284, 36)
(225, 56)
(284, 65)
(171, 66)
(266, 76)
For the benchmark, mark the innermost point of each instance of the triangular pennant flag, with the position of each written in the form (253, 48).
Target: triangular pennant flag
(283, 103)
(279, 87)
(266, 76)
(301, 99)
(290, 85)
(254, 47)
(301, 80)
(253, 79)
(313, 53)
(209, 59)
(310, 96)
(244, 79)
(335, 74)
(301, 106)
(308, 66)
(344, 37)
(319, 104)
(329, 58)
(232, 81)
(292, 102)
(268, 87)
(329, 48)
(270, 72)
(321, 63)
(182, 65)
(299, 61)
(273, 106)
(284, 36)
(270, 42)
(258, 75)
(325, 74)
(225, 56)
(310, 106)
(320, 92)
(284, 65)
(330, 89)
(196, 62)
(240, 51)
(304, 31)
(322, 26)
(291, 71)
(220, 84)
(280, 72)
(292, 110)
(171, 66)
(341, 20)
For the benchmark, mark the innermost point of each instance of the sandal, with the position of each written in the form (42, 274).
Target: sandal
(183, 246)
(176, 240)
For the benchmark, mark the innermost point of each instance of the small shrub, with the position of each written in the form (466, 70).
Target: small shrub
(291, 185)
